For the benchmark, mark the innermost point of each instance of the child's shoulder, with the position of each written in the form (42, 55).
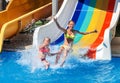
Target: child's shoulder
(41, 46)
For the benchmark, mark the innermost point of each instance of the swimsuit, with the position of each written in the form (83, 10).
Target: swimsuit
(43, 59)
(44, 51)
(66, 47)
(69, 36)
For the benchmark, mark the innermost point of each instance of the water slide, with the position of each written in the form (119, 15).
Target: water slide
(88, 15)
(20, 13)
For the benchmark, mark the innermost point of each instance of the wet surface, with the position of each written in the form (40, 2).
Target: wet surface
(19, 42)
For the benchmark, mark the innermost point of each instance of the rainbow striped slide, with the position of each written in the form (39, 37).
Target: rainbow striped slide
(87, 15)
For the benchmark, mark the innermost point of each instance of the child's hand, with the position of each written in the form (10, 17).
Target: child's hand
(95, 31)
(54, 19)
(52, 54)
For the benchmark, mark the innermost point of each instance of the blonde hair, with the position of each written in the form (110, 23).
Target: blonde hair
(47, 38)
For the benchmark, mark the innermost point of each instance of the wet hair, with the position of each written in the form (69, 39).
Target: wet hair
(70, 21)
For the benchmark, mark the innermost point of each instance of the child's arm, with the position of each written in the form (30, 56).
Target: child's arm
(52, 54)
(41, 46)
(85, 33)
(61, 28)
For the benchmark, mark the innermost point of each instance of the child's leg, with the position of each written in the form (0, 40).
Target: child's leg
(46, 63)
(64, 57)
(58, 56)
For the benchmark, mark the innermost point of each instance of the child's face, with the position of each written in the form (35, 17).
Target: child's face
(47, 41)
(71, 24)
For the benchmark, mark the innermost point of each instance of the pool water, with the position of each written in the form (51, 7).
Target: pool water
(23, 67)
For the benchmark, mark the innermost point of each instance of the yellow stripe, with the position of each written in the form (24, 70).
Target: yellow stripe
(96, 23)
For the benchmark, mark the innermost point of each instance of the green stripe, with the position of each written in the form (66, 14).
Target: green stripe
(87, 20)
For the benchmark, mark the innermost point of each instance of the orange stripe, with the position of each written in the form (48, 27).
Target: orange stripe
(96, 23)
(92, 52)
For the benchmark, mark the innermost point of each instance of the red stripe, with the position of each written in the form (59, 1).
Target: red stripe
(98, 41)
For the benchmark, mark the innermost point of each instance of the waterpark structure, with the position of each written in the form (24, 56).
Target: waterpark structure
(88, 15)
(94, 58)
(20, 13)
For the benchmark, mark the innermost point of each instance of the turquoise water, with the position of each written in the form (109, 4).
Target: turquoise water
(24, 67)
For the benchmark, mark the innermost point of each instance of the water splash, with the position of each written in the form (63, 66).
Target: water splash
(83, 51)
(30, 58)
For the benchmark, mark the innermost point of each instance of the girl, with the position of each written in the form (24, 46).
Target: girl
(44, 50)
(69, 35)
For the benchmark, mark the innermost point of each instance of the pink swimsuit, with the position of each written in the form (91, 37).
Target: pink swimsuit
(44, 50)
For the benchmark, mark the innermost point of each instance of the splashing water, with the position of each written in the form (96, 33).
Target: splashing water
(31, 59)
(81, 53)
(29, 69)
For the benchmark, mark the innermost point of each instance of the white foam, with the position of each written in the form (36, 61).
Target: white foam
(54, 48)
(31, 59)
(83, 51)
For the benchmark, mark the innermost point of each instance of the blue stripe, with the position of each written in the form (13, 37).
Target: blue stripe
(86, 21)
(59, 40)
(75, 18)
(77, 11)
(82, 15)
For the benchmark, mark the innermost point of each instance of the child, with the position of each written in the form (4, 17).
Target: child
(44, 50)
(69, 35)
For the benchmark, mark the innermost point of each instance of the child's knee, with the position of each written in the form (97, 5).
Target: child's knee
(64, 56)
(48, 63)
(58, 56)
